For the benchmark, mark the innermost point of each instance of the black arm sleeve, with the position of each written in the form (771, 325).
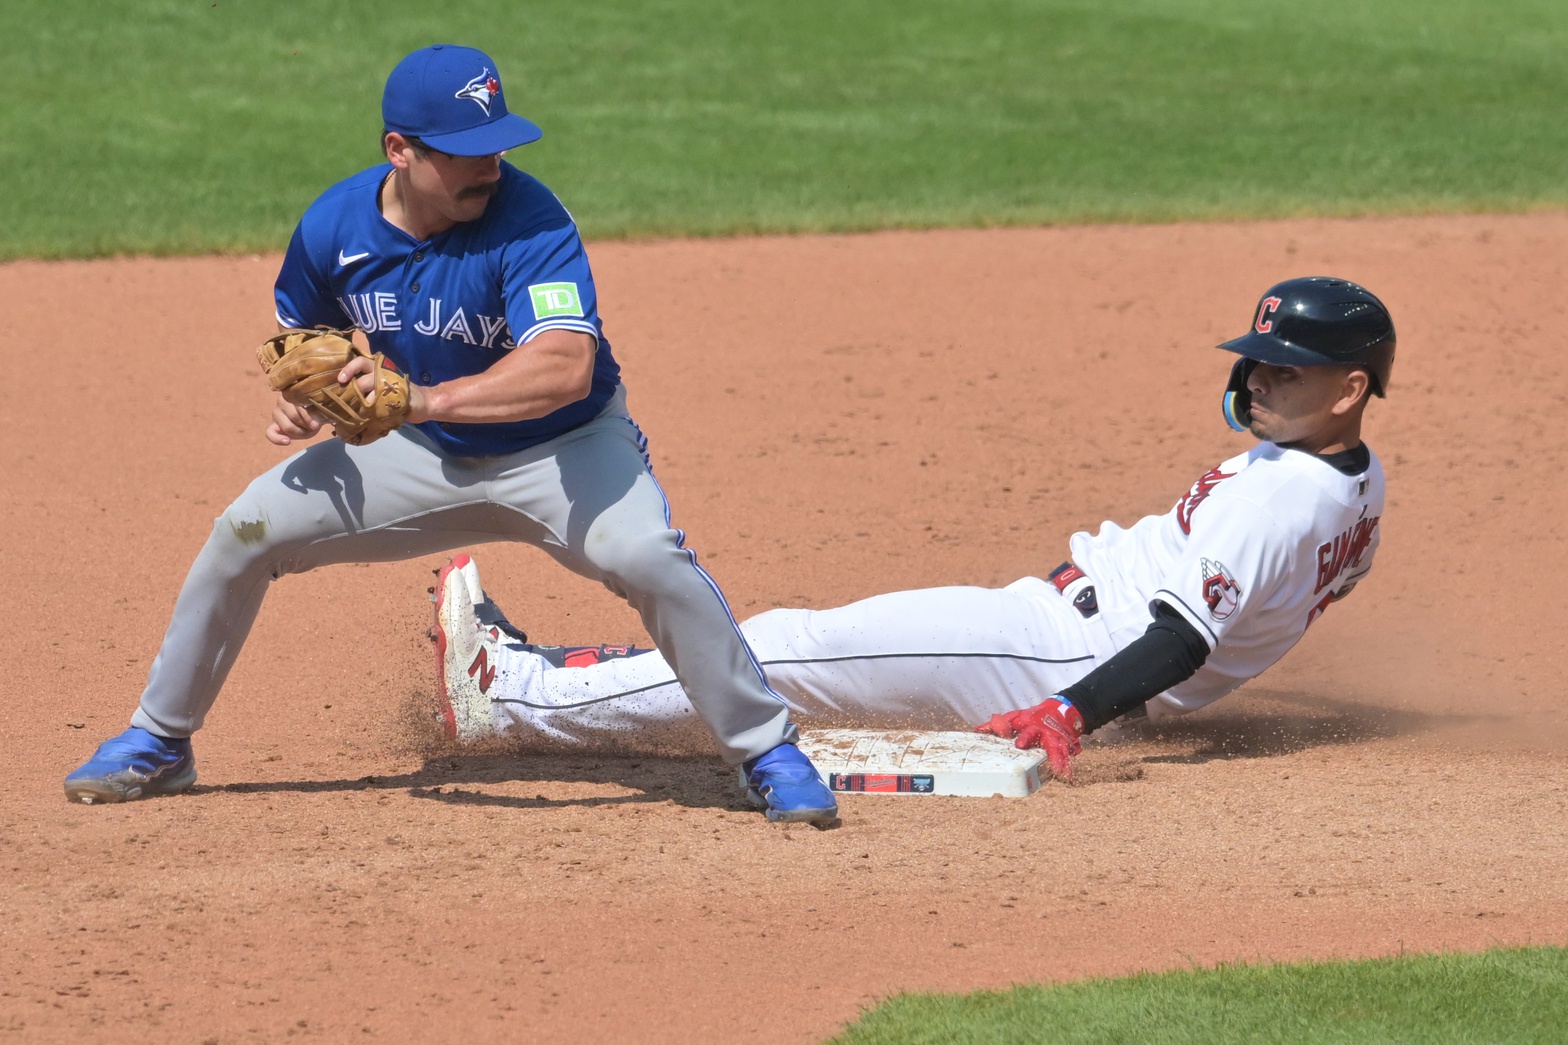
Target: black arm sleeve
(1166, 654)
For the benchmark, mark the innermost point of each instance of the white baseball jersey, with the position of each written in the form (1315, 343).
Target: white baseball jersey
(1250, 556)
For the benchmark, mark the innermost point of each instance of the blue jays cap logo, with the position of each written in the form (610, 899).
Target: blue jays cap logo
(480, 90)
(427, 96)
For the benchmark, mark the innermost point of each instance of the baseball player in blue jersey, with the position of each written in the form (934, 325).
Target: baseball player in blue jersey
(471, 277)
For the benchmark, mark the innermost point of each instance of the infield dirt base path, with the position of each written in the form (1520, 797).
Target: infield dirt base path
(832, 417)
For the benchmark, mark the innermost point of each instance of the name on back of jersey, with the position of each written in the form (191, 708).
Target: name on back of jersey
(1344, 552)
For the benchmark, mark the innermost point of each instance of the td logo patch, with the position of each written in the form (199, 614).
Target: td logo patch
(1220, 592)
(555, 299)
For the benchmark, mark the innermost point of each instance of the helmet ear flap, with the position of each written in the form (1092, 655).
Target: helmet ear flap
(1238, 400)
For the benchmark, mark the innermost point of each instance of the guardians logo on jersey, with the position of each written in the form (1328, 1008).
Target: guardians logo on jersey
(1197, 495)
(1221, 593)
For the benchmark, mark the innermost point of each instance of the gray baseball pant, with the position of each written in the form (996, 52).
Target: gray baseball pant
(588, 498)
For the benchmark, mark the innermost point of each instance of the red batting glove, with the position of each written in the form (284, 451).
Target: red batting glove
(1053, 725)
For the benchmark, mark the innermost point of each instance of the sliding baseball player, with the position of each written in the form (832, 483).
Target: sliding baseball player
(1156, 619)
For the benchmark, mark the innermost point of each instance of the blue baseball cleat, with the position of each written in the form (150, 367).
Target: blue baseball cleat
(788, 787)
(135, 764)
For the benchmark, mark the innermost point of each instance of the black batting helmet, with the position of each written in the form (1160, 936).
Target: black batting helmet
(1311, 321)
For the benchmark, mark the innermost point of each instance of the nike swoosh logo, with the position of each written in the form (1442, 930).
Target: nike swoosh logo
(349, 259)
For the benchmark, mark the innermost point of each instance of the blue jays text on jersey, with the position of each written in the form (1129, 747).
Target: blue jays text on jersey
(454, 304)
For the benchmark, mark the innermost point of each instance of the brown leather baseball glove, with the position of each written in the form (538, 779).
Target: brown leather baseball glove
(304, 366)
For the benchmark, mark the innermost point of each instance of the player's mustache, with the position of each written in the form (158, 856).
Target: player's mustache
(489, 188)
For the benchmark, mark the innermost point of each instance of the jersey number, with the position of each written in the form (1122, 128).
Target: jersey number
(1317, 611)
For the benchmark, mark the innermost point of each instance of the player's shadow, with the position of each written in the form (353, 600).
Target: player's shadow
(490, 778)
(1270, 730)
(682, 766)
(1273, 724)
(698, 783)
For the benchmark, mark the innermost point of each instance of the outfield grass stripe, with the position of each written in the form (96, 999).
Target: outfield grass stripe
(185, 126)
(1513, 995)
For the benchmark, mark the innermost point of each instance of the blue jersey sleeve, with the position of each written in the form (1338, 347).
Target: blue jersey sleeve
(547, 282)
(301, 293)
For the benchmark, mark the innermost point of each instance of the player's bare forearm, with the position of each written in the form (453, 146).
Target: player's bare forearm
(553, 370)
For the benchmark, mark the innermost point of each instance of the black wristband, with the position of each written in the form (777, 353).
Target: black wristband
(1167, 654)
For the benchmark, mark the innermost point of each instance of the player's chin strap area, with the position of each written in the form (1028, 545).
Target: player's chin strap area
(1238, 400)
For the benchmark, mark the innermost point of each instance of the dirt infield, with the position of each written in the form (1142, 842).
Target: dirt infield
(832, 417)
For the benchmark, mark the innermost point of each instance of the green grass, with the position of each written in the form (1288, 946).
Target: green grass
(191, 125)
(1516, 996)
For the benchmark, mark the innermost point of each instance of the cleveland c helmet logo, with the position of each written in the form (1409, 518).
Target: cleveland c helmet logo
(480, 90)
(1266, 308)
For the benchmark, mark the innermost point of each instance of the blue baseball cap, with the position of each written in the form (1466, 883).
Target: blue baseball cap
(450, 98)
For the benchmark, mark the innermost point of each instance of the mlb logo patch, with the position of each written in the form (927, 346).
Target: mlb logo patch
(555, 299)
